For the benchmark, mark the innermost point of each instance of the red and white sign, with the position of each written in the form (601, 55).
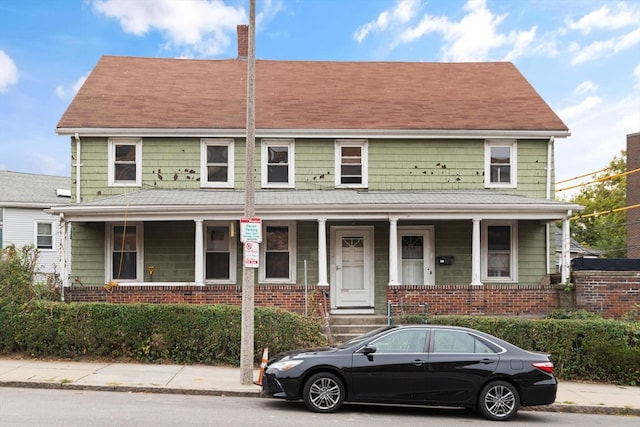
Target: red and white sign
(251, 255)
(251, 230)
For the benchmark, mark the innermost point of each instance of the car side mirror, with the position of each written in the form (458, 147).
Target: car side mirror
(370, 349)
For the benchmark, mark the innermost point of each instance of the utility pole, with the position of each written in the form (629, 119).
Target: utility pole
(248, 273)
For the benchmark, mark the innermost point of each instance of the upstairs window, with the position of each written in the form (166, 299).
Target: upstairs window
(351, 163)
(125, 162)
(216, 163)
(44, 235)
(278, 163)
(500, 164)
(499, 251)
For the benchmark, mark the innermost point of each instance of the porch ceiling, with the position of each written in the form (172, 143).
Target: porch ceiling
(159, 205)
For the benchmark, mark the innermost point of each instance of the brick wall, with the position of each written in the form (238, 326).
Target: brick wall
(611, 293)
(633, 196)
(499, 300)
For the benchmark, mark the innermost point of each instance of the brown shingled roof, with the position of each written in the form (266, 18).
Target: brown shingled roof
(127, 92)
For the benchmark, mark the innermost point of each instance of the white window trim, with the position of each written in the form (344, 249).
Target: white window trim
(427, 233)
(292, 253)
(364, 144)
(111, 157)
(204, 143)
(513, 254)
(53, 236)
(232, 255)
(513, 148)
(139, 252)
(265, 144)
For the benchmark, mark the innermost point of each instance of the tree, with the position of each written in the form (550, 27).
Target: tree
(597, 226)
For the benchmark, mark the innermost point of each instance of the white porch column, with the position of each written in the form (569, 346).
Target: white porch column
(475, 253)
(566, 249)
(393, 251)
(322, 252)
(199, 252)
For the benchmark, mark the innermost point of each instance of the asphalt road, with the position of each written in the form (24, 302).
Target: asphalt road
(70, 408)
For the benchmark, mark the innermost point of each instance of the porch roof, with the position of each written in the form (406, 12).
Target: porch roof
(163, 204)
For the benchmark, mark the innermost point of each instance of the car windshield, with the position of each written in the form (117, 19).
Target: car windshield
(362, 338)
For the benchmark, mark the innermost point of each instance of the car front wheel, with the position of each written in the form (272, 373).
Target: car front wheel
(323, 392)
(498, 401)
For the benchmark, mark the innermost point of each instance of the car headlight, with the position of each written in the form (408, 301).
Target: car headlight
(285, 365)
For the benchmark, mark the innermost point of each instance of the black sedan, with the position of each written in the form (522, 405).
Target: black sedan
(418, 365)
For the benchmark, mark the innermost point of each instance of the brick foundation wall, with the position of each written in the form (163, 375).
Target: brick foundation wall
(611, 293)
(288, 297)
(487, 300)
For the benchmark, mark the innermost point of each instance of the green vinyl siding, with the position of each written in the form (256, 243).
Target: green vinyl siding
(426, 165)
(174, 163)
(87, 254)
(532, 252)
(170, 248)
(453, 238)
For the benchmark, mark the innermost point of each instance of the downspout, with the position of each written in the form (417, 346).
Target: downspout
(547, 225)
(77, 165)
(63, 241)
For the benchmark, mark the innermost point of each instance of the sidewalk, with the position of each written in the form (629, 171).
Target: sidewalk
(216, 380)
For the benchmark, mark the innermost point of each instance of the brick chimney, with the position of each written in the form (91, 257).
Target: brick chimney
(243, 41)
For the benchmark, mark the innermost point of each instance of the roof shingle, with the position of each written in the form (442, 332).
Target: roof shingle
(157, 93)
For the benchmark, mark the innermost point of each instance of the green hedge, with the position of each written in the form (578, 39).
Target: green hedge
(587, 350)
(208, 334)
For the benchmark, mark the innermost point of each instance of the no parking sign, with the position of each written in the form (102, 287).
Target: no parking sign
(251, 255)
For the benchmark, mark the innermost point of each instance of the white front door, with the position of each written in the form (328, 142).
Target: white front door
(352, 268)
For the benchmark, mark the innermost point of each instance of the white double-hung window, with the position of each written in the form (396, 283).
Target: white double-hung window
(125, 162)
(278, 163)
(216, 163)
(501, 166)
(500, 251)
(351, 163)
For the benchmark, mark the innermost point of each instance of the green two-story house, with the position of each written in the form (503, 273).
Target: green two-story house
(375, 181)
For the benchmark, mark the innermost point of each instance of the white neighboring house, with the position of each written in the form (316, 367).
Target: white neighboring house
(24, 199)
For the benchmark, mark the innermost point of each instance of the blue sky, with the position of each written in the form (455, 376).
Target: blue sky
(582, 56)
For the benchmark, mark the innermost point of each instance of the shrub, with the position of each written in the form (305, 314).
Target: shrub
(588, 350)
(177, 333)
(17, 269)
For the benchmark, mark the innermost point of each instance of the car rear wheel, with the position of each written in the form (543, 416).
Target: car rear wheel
(323, 392)
(498, 401)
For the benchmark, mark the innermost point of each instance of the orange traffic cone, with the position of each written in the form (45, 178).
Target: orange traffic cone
(263, 364)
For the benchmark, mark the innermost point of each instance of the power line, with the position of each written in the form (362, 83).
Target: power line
(624, 208)
(581, 176)
(604, 178)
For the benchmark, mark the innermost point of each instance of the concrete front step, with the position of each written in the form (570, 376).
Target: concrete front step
(345, 327)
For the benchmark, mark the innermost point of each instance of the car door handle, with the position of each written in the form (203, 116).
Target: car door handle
(486, 361)
(418, 362)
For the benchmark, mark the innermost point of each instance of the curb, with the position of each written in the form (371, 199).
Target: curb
(576, 409)
(128, 389)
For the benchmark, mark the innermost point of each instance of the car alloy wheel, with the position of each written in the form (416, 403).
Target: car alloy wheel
(499, 401)
(323, 392)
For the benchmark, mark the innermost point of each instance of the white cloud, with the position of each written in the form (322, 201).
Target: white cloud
(585, 87)
(66, 92)
(8, 71)
(601, 49)
(586, 106)
(472, 38)
(402, 13)
(604, 18)
(201, 26)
